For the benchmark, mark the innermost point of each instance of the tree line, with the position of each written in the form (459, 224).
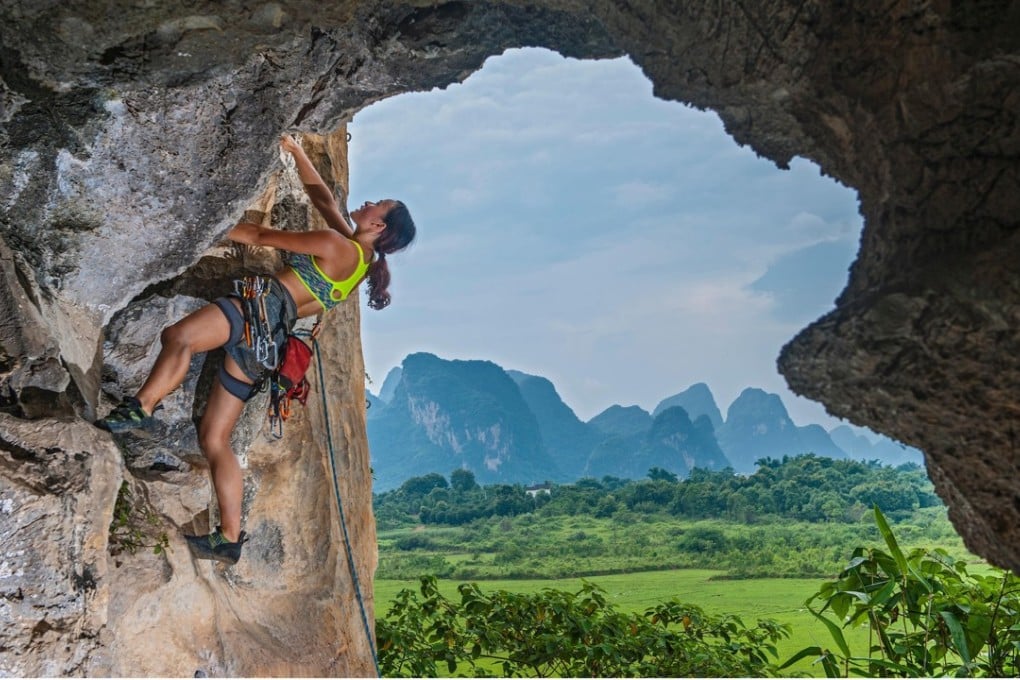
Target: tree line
(806, 488)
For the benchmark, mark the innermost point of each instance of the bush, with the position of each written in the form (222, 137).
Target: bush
(927, 615)
(563, 634)
(415, 542)
(703, 540)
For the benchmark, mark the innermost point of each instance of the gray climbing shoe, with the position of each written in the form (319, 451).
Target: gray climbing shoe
(128, 415)
(215, 546)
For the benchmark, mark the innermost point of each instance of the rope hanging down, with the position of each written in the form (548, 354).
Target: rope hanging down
(340, 509)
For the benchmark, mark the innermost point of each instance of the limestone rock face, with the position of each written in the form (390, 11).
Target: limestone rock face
(133, 134)
(93, 560)
(58, 487)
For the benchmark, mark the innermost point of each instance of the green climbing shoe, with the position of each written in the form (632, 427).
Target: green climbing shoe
(128, 415)
(215, 546)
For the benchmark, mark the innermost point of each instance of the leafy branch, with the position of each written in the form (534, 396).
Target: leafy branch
(927, 614)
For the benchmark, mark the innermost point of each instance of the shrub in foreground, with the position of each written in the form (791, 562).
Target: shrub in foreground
(562, 634)
(926, 614)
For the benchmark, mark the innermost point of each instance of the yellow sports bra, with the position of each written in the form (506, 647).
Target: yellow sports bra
(328, 292)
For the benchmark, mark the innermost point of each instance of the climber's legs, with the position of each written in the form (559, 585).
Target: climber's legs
(200, 331)
(221, 414)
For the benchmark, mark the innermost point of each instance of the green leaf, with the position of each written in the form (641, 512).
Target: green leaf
(840, 604)
(883, 595)
(883, 636)
(890, 540)
(958, 634)
(806, 652)
(863, 597)
(855, 562)
(831, 671)
(835, 632)
(886, 563)
(922, 580)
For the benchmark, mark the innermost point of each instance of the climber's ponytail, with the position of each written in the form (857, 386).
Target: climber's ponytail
(399, 232)
(378, 282)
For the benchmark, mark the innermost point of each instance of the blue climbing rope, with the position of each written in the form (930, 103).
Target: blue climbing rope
(340, 509)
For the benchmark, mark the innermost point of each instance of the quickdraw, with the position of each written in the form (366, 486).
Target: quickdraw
(286, 365)
(258, 335)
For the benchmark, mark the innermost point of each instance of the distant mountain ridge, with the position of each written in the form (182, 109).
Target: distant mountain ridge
(562, 431)
(886, 450)
(511, 427)
(446, 415)
(390, 383)
(697, 400)
(758, 425)
(622, 420)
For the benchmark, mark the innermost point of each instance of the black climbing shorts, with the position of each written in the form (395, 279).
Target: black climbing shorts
(282, 315)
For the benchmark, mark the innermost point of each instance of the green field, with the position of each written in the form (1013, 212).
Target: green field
(755, 547)
(751, 599)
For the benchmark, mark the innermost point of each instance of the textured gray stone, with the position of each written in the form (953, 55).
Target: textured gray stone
(58, 486)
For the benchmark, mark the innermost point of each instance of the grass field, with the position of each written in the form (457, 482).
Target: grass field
(751, 599)
(755, 571)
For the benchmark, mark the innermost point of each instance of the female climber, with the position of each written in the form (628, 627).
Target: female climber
(323, 268)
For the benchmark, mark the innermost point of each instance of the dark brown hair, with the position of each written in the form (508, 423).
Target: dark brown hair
(399, 233)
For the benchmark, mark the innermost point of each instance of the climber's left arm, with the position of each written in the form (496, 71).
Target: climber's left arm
(318, 193)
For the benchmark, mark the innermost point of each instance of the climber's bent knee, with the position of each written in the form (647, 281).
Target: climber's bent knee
(173, 336)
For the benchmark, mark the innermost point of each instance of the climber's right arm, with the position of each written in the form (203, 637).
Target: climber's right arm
(319, 242)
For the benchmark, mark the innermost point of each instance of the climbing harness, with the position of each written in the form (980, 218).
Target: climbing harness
(340, 510)
(252, 290)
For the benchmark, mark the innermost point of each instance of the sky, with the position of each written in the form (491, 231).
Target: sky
(572, 226)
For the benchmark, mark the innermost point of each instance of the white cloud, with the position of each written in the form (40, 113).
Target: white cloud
(805, 223)
(722, 301)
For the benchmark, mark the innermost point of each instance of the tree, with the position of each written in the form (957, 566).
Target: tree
(607, 506)
(703, 540)
(611, 483)
(510, 500)
(420, 486)
(652, 496)
(660, 475)
(463, 480)
(887, 493)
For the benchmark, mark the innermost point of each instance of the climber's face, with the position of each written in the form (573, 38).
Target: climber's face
(372, 213)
